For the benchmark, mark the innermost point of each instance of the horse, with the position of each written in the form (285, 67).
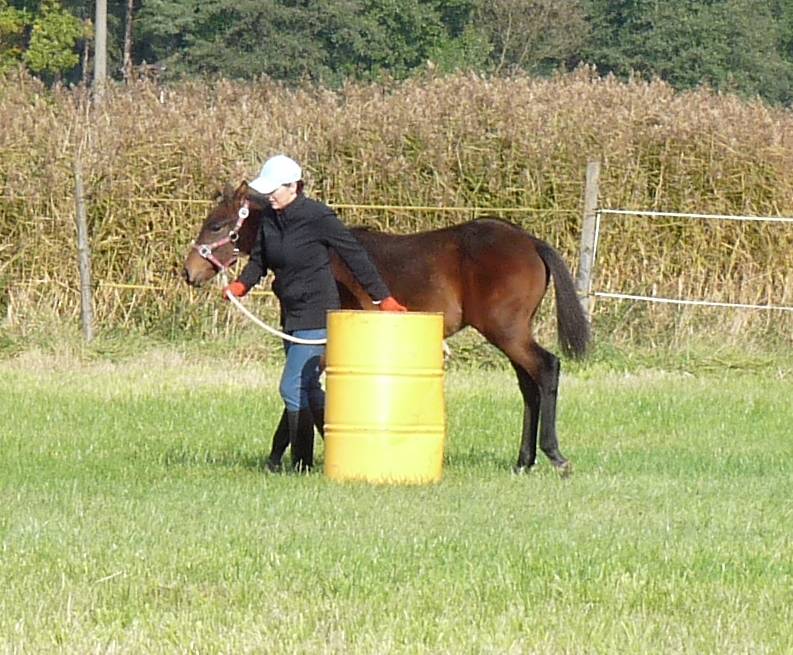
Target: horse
(486, 273)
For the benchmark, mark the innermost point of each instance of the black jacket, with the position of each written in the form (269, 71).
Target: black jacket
(294, 244)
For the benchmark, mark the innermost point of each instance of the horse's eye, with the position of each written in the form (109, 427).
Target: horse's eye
(215, 227)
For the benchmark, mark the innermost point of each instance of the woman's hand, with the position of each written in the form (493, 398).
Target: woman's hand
(236, 289)
(391, 304)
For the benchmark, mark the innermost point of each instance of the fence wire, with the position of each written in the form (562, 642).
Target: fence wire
(681, 301)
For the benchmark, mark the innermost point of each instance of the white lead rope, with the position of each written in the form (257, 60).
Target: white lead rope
(310, 342)
(236, 302)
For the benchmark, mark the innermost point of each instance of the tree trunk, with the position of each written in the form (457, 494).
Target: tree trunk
(127, 65)
(100, 51)
(86, 54)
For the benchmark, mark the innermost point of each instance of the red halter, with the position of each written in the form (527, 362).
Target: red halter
(206, 249)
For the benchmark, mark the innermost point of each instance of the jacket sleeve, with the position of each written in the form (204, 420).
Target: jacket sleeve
(336, 235)
(256, 267)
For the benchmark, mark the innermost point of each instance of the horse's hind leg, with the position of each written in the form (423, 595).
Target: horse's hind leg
(527, 455)
(549, 391)
(542, 367)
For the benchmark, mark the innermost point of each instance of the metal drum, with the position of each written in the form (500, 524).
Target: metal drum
(384, 407)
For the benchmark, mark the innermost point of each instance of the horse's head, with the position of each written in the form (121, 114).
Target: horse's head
(230, 228)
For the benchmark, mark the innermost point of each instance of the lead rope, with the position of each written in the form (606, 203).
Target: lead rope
(236, 302)
(310, 342)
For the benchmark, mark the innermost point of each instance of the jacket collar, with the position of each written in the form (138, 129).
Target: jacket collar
(290, 211)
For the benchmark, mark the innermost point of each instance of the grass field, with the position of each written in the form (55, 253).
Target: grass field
(134, 519)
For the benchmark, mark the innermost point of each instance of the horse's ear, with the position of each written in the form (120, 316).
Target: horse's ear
(226, 193)
(254, 198)
(241, 192)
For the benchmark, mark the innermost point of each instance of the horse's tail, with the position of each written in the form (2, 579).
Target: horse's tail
(571, 321)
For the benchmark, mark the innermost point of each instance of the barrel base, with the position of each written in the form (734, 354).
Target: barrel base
(384, 457)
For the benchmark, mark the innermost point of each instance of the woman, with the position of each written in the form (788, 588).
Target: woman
(294, 239)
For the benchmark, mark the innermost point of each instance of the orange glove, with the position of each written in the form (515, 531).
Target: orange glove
(391, 304)
(236, 288)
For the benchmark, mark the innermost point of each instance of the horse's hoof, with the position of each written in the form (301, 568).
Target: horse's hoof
(273, 467)
(565, 469)
(521, 469)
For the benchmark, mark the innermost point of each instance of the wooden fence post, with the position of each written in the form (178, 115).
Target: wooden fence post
(84, 254)
(588, 228)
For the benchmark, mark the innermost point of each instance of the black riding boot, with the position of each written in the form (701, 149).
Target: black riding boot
(301, 439)
(280, 443)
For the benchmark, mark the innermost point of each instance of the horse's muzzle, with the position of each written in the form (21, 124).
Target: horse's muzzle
(195, 276)
(188, 277)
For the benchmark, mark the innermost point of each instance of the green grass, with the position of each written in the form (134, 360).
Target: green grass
(134, 519)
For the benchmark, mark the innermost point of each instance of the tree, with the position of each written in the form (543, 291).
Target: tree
(126, 62)
(53, 39)
(756, 63)
(194, 37)
(12, 35)
(538, 36)
(320, 40)
(732, 45)
(100, 50)
(782, 11)
(85, 10)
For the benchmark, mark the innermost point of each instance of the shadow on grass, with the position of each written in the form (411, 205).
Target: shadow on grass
(224, 458)
(473, 459)
(185, 456)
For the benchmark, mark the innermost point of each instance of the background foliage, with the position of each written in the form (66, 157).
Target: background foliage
(744, 46)
(153, 158)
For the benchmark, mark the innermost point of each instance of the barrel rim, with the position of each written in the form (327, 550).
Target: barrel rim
(390, 314)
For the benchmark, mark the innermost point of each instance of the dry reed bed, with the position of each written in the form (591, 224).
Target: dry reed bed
(153, 159)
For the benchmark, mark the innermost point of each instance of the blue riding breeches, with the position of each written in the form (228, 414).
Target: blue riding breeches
(300, 387)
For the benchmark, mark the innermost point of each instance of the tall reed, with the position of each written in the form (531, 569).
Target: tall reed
(153, 159)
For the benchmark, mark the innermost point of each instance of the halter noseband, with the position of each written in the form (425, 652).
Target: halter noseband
(206, 250)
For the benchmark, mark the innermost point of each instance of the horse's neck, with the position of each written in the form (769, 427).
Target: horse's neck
(249, 230)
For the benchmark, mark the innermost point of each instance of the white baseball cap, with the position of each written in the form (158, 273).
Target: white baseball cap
(276, 171)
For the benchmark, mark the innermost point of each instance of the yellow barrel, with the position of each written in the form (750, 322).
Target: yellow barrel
(384, 408)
